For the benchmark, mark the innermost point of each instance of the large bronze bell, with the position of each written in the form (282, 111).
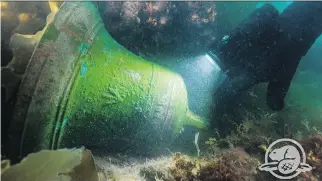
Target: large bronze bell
(83, 88)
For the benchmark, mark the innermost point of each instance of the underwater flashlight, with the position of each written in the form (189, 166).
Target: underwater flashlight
(213, 61)
(213, 54)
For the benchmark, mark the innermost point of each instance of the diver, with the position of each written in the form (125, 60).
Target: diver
(266, 47)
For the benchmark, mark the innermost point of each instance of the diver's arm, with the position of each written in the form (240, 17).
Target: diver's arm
(236, 54)
(279, 85)
(238, 51)
(301, 24)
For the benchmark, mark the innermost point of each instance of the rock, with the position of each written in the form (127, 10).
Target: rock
(49, 165)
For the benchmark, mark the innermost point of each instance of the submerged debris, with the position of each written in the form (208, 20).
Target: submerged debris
(62, 165)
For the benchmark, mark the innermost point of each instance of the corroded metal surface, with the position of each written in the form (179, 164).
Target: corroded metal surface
(83, 88)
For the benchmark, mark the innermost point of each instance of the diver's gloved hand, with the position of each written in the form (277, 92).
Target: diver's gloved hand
(266, 47)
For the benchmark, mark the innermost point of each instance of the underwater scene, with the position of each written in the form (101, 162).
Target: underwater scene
(161, 91)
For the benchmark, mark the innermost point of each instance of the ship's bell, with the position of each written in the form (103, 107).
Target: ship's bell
(82, 88)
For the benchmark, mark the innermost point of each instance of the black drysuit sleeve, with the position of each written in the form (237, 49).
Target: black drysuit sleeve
(300, 25)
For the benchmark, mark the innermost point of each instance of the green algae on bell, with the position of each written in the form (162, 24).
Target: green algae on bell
(96, 93)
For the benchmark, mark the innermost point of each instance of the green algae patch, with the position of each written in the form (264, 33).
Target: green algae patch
(91, 91)
(117, 97)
